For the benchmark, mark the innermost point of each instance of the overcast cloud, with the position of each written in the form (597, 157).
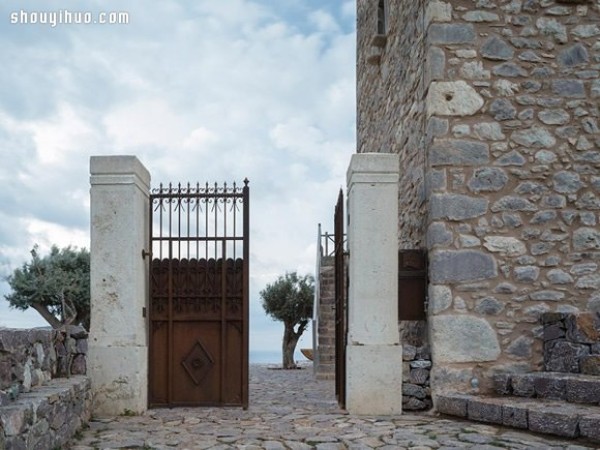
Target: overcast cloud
(198, 91)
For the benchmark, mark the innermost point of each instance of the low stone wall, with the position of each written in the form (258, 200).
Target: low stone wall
(44, 397)
(572, 342)
(47, 417)
(416, 366)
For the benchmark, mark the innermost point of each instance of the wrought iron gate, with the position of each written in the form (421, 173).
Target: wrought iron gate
(341, 309)
(199, 295)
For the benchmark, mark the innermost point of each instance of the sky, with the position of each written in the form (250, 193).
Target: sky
(210, 90)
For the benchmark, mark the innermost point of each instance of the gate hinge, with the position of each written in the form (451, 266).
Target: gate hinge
(144, 312)
(145, 253)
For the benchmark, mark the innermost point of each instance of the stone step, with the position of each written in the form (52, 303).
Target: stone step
(538, 415)
(569, 387)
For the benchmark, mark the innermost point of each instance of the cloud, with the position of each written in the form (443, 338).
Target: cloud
(199, 91)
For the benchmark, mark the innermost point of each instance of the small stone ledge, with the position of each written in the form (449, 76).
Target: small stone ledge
(47, 417)
(569, 387)
(536, 415)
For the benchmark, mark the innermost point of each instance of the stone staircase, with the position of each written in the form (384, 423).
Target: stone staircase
(545, 402)
(561, 400)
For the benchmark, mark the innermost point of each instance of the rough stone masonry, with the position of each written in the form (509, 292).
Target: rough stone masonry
(494, 109)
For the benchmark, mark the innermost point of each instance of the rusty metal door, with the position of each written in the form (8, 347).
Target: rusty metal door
(199, 295)
(340, 303)
(412, 284)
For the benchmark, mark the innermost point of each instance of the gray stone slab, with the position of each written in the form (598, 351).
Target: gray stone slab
(550, 387)
(461, 266)
(589, 426)
(560, 421)
(514, 415)
(488, 410)
(452, 404)
(503, 383)
(590, 365)
(451, 33)
(522, 385)
(583, 390)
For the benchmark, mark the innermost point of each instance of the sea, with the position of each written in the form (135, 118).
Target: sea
(271, 357)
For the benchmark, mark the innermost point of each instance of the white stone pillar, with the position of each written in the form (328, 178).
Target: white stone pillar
(374, 353)
(118, 344)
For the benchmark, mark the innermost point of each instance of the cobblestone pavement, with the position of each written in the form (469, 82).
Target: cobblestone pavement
(290, 410)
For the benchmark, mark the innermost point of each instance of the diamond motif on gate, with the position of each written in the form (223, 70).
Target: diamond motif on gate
(198, 363)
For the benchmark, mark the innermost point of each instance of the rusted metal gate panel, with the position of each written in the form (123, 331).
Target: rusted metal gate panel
(199, 295)
(412, 284)
(340, 303)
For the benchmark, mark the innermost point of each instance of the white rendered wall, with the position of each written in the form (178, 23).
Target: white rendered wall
(374, 353)
(118, 352)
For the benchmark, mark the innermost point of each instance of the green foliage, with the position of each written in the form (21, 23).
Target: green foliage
(56, 285)
(290, 298)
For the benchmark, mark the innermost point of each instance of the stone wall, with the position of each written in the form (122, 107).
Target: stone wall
(30, 358)
(514, 175)
(572, 342)
(44, 399)
(511, 158)
(391, 103)
(416, 366)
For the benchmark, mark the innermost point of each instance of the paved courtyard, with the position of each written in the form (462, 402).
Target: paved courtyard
(290, 410)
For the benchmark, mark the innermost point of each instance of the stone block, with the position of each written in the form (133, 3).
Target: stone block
(414, 404)
(419, 376)
(512, 203)
(15, 419)
(522, 385)
(488, 179)
(451, 33)
(561, 421)
(590, 365)
(515, 416)
(573, 56)
(568, 88)
(488, 410)
(78, 366)
(453, 98)
(436, 63)
(583, 328)
(457, 152)
(564, 356)
(553, 317)
(496, 49)
(583, 390)
(586, 239)
(536, 137)
(553, 331)
(546, 386)
(413, 390)
(452, 404)
(461, 338)
(461, 266)
(588, 426)
(457, 207)
(502, 383)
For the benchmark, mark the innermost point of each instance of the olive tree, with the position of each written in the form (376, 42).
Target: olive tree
(56, 285)
(290, 300)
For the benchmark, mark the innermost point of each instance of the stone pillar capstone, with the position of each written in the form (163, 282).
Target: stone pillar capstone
(118, 343)
(374, 353)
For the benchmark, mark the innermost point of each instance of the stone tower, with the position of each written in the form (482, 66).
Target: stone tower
(493, 108)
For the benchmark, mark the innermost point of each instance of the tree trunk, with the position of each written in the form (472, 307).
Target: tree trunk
(290, 339)
(47, 315)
